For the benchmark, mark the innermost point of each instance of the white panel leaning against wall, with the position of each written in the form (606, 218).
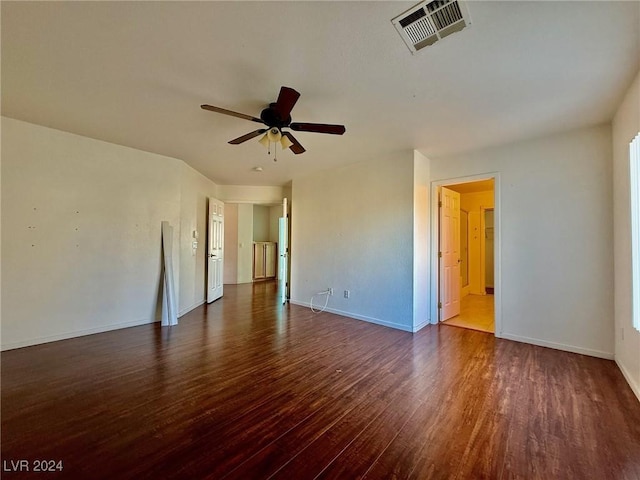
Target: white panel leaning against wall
(634, 174)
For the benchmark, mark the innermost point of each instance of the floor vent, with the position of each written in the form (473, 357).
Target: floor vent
(430, 21)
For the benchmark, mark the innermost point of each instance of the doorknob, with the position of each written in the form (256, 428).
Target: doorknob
(212, 255)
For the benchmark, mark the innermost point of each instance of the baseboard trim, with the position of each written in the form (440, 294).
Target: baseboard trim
(421, 325)
(76, 333)
(627, 376)
(377, 321)
(558, 346)
(186, 310)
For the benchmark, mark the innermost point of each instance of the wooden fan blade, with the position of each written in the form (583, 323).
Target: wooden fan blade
(295, 145)
(248, 136)
(318, 128)
(231, 113)
(286, 100)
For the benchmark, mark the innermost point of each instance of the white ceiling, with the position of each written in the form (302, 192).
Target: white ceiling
(135, 74)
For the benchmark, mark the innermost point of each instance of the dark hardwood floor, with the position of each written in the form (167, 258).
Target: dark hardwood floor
(247, 389)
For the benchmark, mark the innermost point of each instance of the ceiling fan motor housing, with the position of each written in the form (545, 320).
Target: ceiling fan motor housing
(271, 117)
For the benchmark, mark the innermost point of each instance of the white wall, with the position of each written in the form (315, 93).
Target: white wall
(556, 236)
(251, 194)
(230, 243)
(352, 229)
(625, 125)
(421, 225)
(82, 233)
(275, 212)
(261, 223)
(245, 243)
(195, 192)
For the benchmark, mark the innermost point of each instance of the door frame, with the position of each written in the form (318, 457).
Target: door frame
(435, 232)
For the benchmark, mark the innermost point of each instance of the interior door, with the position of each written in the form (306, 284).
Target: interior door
(215, 254)
(283, 253)
(449, 254)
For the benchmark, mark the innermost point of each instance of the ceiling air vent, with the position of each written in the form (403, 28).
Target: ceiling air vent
(430, 21)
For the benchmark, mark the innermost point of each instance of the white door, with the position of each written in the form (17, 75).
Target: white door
(283, 254)
(449, 254)
(215, 253)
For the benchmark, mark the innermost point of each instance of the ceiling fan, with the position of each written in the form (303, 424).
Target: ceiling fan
(276, 117)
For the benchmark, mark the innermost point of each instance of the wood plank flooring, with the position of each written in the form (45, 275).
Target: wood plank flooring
(248, 389)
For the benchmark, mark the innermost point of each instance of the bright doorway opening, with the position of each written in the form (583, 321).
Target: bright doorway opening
(467, 253)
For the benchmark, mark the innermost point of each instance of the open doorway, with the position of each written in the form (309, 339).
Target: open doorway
(467, 286)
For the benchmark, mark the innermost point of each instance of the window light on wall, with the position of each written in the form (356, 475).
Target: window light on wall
(634, 170)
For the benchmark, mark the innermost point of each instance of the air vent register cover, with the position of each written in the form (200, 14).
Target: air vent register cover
(430, 21)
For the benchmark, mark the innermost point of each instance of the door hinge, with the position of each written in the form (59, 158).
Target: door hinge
(440, 203)
(439, 304)
(439, 254)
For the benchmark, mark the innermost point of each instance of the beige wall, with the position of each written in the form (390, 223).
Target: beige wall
(352, 229)
(275, 212)
(556, 289)
(261, 223)
(473, 203)
(245, 243)
(264, 195)
(625, 125)
(230, 243)
(194, 194)
(421, 241)
(81, 243)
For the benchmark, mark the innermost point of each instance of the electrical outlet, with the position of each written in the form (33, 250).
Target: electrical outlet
(330, 291)
(347, 293)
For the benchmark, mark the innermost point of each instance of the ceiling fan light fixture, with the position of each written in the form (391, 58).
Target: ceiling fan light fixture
(274, 135)
(265, 140)
(285, 142)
